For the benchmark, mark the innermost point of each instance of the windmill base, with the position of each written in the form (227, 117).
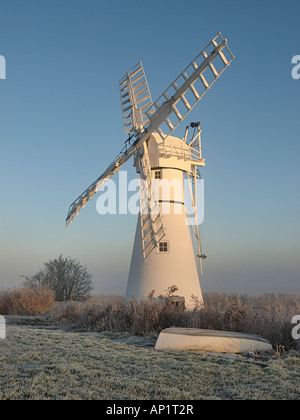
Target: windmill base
(210, 341)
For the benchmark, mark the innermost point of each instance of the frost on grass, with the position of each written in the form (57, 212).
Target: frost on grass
(40, 363)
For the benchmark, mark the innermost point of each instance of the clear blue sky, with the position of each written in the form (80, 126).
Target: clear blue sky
(61, 126)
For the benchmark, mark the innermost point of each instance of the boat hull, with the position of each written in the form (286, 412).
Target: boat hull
(211, 341)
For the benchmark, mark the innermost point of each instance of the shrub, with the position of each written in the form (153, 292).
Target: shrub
(26, 302)
(68, 279)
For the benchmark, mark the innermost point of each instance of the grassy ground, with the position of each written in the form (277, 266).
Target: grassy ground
(43, 362)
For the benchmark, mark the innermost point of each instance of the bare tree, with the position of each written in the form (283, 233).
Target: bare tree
(68, 279)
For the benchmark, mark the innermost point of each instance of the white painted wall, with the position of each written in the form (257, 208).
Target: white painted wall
(178, 266)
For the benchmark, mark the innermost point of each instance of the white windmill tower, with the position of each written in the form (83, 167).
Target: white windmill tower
(163, 253)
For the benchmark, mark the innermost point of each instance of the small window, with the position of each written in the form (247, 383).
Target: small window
(157, 175)
(163, 247)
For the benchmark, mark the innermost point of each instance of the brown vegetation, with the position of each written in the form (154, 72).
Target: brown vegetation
(268, 315)
(26, 302)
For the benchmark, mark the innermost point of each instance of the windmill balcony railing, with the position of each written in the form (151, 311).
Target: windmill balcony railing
(181, 152)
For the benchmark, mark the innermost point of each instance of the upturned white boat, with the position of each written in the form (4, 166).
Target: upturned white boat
(210, 340)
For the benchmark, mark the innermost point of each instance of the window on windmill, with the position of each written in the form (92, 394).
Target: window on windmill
(157, 175)
(163, 247)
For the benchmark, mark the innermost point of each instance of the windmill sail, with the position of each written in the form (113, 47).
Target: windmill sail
(151, 221)
(135, 99)
(166, 113)
(190, 86)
